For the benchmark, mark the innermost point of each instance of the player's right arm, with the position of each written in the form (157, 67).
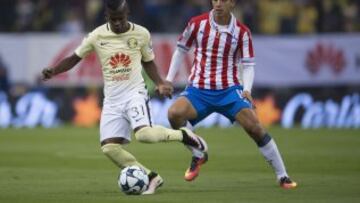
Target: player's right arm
(68, 63)
(184, 44)
(64, 65)
(176, 62)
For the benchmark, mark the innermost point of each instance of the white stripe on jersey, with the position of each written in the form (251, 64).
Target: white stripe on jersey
(246, 49)
(233, 63)
(209, 50)
(219, 61)
(196, 66)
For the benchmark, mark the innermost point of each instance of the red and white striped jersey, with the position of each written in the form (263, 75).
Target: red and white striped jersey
(218, 51)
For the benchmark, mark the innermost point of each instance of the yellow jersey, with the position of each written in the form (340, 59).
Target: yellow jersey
(120, 56)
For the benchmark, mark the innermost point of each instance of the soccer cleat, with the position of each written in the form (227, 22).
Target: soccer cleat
(194, 141)
(287, 183)
(155, 181)
(193, 171)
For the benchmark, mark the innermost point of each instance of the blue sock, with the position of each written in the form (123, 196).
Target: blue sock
(267, 138)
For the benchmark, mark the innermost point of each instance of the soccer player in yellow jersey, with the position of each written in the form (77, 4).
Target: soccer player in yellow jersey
(124, 48)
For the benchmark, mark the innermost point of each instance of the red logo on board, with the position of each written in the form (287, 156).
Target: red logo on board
(325, 55)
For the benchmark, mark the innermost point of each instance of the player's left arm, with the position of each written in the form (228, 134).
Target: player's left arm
(248, 64)
(164, 88)
(248, 80)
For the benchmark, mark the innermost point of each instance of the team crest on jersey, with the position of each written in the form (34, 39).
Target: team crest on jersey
(120, 59)
(132, 43)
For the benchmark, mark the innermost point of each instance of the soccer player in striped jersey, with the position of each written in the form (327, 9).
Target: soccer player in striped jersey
(221, 45)
(124, 48)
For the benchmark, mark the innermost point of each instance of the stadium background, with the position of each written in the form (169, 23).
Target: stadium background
(307, 76)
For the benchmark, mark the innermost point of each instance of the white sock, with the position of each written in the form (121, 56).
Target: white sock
(273, 157)
(195, 152)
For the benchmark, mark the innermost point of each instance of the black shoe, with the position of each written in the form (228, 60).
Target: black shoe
(192, 140)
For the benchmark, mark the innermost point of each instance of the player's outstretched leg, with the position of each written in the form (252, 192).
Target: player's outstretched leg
(199, 148)
(194, 142)
(158, 133)
(155, 181)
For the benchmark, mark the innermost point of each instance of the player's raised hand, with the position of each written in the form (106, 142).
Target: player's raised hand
(247, 95)
(165, 89)
(47, 73)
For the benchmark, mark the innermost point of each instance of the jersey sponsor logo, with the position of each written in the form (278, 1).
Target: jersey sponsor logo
(132, 43)
(120, 59)
(120, 77)
(122, 70)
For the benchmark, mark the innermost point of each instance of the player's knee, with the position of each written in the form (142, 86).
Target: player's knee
(176, 117)
(146, 135)
(175, 113)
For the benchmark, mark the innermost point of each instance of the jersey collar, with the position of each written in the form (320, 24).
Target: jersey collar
(230, 28)
(132, 28)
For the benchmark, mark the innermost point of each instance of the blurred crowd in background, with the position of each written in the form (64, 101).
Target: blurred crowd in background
(170, 16)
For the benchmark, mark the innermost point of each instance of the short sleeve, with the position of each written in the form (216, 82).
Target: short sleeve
(186, 39)
(247, 49)
(147, 49)
(85, 47)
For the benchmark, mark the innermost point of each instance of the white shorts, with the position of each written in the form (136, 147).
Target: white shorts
(118, 120)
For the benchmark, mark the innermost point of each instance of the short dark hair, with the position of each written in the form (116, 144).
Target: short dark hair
(115, 4)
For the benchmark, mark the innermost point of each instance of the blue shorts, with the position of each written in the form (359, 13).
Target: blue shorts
(227, 102)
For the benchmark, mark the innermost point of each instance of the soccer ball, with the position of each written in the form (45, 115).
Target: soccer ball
(133, 180)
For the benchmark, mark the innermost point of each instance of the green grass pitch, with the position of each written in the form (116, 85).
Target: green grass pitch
(66, 165)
